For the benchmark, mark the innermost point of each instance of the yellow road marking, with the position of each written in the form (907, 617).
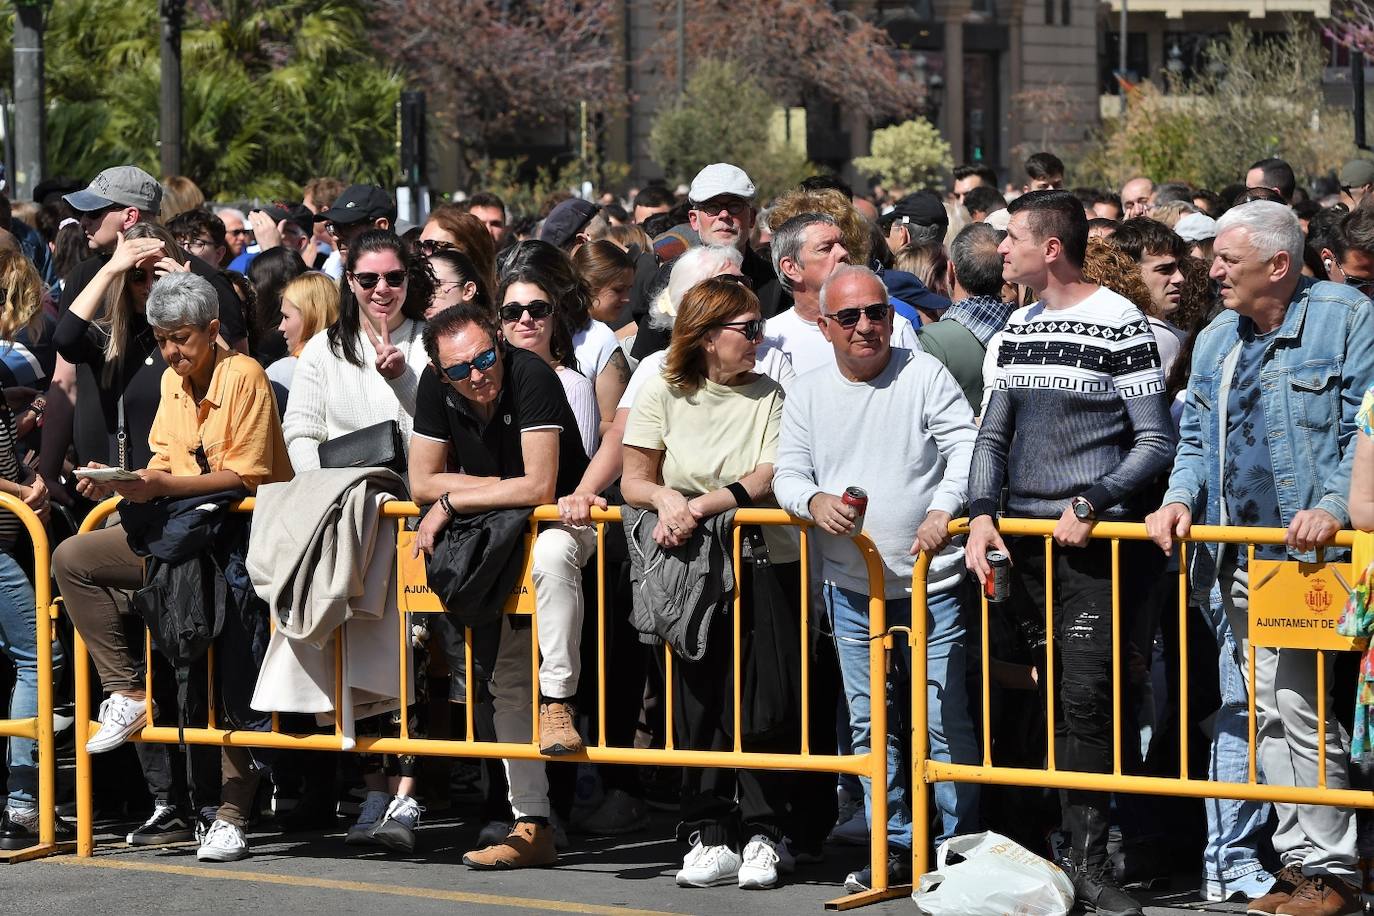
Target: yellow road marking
(425, 893)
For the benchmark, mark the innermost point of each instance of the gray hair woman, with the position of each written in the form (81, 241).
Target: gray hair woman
(216, 430)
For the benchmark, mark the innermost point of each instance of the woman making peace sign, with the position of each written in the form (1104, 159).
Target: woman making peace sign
(365, 368)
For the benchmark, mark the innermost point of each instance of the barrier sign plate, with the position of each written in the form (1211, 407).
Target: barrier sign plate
(1296, 605)
(521, 600)
(413, 594)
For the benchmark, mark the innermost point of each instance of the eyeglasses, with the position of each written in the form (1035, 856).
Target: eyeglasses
(393, 278)
(481, 362)
(848, 318)
(139, 275)
(751, 329)
(429, 246)
(741, 279)
(1363, 284)
(731, 205)
(236, 232)
(538, 308)
(194, 243)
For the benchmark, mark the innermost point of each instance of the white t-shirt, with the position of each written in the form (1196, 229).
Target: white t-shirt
(772, 363)
(593, 346)
(1169, 339)
(808, 349)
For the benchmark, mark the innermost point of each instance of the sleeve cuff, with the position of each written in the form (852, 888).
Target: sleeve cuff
(802, 508)
(1182, 497)
(1100, 498)
(982, 507)
(1336, 507)
(945, 503)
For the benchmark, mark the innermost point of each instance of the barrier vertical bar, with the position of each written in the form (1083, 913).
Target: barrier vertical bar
(1250, 685)
(85, 806)
(987, 684)
(805, 641)
(601, 633)
(209, 687)
(1116, 656)
(1182, 661)
(739, 604)
(467, 684)
(403, 670)
(338, 685)
(1049, 652)
(667, 697)
(920, 731)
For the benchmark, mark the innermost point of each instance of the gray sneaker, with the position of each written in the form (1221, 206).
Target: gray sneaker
(373, 810)
(396, 829)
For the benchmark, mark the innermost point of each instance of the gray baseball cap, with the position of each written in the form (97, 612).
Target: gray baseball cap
(124, 186)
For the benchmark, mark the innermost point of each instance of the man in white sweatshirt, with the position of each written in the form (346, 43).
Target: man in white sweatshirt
(895, 423)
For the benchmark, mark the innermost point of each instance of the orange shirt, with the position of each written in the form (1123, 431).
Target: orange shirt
(236, 422)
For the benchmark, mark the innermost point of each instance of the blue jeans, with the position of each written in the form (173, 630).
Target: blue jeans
(1234, 828)
(18, 641)
(952, 737)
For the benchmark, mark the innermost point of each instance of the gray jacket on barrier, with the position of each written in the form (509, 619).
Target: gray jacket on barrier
(679, 591)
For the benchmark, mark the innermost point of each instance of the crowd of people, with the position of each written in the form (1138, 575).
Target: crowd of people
(1164, 353)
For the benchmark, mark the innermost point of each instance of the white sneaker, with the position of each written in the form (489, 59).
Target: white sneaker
(373, 810)
(120, 717)
(493, 833)
(851, 831)
(759, 869)
(708, 866)
(223, 843)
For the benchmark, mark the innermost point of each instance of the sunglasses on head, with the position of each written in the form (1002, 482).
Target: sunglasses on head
(429, 246)
(848, 318)
(751, 329)
(394, 279)
(741, 279)
(481, 362)
(537, 308)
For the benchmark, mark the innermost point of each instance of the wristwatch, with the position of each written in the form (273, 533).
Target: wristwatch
(1082, 509)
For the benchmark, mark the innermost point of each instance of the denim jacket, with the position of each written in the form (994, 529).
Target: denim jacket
(1313, 375)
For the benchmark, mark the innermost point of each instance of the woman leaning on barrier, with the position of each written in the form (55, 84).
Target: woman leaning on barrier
(700, 441)
(216, 434)
(21, 294)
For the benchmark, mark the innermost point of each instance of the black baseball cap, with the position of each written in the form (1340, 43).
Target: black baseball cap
(360, 202)
(923, 208)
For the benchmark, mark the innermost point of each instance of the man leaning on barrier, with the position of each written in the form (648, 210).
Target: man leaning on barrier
(1276, 383)
(916, 476)
(502, 415)
(1076, 426)
(216, 432)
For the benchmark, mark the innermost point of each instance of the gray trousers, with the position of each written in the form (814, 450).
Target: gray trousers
(1317, 838)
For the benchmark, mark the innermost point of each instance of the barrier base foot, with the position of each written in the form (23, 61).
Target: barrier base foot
(40, 851)
(854, 901)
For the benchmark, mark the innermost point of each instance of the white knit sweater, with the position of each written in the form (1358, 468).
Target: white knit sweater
(330, 397)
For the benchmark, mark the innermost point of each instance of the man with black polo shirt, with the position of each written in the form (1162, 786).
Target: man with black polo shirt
(501, 413)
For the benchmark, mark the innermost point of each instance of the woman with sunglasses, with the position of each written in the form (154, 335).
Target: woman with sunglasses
(701, 439)
(365, 369)
(598, 352)
(451, 228)
(456, 281)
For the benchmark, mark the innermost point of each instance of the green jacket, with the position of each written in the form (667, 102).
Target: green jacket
(961, 353)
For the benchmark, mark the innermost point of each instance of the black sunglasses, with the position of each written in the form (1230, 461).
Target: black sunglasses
(848, 318)
(537, 308)
(741, 279)
(394, 279)
(481, 362)
(751, 329)
(429, 246)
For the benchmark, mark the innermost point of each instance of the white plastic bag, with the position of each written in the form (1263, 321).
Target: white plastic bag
(997, 877)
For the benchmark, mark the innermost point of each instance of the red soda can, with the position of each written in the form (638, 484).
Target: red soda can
(998, 584)
(857, 499)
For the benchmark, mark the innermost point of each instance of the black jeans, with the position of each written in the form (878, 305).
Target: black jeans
(1083, 715)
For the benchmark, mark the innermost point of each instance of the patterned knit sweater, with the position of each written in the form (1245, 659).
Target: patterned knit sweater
(1079, 410)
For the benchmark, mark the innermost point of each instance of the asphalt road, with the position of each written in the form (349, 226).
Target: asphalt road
(316, 873)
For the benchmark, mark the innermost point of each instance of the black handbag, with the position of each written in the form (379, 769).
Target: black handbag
(375, 446)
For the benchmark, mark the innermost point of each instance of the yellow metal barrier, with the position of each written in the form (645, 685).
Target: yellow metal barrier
(926, 771)
(39, 728)
(872, 764)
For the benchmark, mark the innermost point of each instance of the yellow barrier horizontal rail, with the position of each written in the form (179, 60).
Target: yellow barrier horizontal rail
(872, 764)
(926, 771)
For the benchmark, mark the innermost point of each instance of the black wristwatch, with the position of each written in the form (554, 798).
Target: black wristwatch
(1082, 509)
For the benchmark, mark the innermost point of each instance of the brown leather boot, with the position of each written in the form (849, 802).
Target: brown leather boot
(529, 845)
(1286, 881)
(557, 734)
(1323, 895)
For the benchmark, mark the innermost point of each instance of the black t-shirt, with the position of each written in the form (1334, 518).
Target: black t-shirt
(139, 378)
(531, 398)
(231, 323)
